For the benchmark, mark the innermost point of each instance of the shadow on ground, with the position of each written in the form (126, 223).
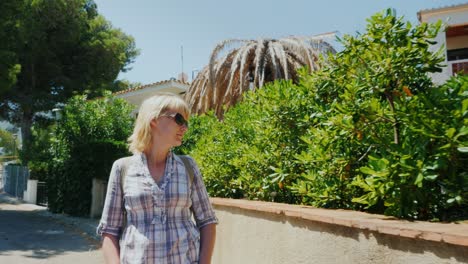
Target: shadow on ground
(31, 234)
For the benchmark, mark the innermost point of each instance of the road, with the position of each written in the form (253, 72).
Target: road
(28, 236)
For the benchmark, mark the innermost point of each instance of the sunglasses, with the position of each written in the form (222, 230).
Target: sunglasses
(179, 119)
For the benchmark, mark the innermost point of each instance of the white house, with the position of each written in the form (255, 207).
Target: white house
(136, 95)
(454, 38)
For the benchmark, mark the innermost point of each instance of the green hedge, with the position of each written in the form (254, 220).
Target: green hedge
(370, 132)
(89, 137)
(69, 188)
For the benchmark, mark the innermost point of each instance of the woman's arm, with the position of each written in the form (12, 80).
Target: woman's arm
(112, 217)
(207, 242)
(204, 215)
(110, 248)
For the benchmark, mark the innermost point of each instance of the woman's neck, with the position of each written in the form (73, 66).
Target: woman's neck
(156, 161)
(156, 156)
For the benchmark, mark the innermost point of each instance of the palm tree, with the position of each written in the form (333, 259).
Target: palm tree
(250, 64)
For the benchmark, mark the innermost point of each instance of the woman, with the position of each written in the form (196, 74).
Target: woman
(151, 195)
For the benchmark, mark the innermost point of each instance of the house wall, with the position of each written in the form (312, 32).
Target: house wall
(450, 17)
(98, 197)
(271, 233)
(137, 95)
(457, 42)
(30, 194)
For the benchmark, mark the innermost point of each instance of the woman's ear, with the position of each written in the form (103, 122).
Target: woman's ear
(153, 122)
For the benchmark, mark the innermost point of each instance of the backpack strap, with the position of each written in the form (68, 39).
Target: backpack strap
(123, 174)
(188, 169)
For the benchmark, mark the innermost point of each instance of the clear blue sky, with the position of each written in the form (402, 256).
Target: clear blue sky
(161, 27)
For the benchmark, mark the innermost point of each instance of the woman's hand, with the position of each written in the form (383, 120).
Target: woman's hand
(207, 242)
(110, 249)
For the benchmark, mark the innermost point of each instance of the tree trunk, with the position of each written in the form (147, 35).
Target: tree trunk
(27, 118)
(26, 136)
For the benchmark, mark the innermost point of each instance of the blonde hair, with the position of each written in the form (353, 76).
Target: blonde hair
(153, 108)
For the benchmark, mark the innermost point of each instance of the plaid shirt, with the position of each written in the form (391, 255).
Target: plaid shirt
(159, 225)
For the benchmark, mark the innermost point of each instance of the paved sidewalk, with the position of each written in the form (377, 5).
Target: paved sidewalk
(84, 226)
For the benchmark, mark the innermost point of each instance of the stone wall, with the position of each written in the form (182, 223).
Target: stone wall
(271, 233)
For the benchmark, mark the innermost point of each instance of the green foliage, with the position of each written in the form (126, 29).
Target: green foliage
(378, 141)
(353, 159)
(370, 132)
(89, 137)
(120, 85)
(9, 36)
(198, 127)
(39, 153)
(224, 151)
(63, 48)
(250, 153)
(8, 143)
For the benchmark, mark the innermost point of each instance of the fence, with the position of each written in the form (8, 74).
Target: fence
(41, 194)
(15, 180)
(1, 177)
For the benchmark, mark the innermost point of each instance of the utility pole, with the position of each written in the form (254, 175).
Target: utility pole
(182, 59)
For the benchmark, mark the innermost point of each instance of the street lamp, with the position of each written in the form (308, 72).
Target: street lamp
(15, 152)
(57, 113)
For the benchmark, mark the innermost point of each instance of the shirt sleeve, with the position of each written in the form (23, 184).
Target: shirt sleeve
(112, 213)
(203, 211)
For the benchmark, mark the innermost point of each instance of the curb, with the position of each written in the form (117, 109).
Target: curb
(84, 226)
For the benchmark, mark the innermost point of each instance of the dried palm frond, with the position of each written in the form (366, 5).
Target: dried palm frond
(252, 62)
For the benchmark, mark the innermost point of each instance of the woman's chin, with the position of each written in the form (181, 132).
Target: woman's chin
(178, 143)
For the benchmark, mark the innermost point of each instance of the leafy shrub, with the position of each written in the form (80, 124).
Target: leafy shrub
(39, 152)
(250, 153)
(89, 137)
(8, 143)
(383, 140)
(370, 132)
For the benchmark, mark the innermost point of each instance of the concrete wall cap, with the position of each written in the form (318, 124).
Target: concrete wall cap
(451, 233)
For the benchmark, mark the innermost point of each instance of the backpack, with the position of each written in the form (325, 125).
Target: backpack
(123, 174)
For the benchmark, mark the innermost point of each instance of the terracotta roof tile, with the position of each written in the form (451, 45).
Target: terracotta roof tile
(443, 7)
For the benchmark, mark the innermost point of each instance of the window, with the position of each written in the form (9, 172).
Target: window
(457, 54)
